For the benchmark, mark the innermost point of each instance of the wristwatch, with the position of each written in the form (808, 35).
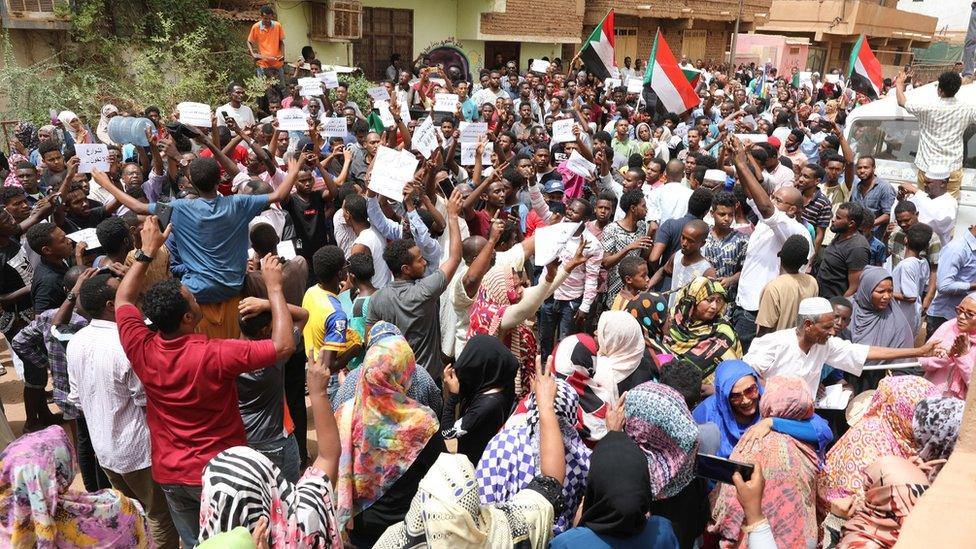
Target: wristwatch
(141, 256)
(71, 296)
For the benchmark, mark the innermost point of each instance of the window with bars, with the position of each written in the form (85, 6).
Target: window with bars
(34, 14)
(32, 6)
(342, 19)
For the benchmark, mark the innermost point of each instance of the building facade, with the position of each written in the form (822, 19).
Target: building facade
(365, 33)
(833, 26)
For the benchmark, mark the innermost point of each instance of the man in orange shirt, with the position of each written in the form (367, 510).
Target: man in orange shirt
(266, 42)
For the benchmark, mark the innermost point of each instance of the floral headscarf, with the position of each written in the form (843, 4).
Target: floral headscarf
(936, 426)
(240, 485)
(894, 485)
(382, 430)
(26, 133)
(39, 508)
(884, 430)
(703, 343)
(498, 289)
(789, 468)
(512, 459)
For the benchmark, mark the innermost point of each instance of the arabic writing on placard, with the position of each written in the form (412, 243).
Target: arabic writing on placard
(92, 156)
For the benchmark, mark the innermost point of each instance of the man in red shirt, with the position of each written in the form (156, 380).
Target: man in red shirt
(189, 379)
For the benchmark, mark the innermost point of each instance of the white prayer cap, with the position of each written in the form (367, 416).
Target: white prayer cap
(937, 173)
(815, 306)
(715, 175)
(719, 93)
(813, 117)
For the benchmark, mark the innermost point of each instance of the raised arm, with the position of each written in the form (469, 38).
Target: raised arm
(450, 265)
(230, 167)
(552, 453)
(326, 430)
(152, 241)
(743, 170)
(120, 196)
(282, 327)
(845, 148)
(900, 89)
(476, 271)
(284, 189)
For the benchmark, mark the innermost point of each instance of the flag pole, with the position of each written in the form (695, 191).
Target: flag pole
(580, 50)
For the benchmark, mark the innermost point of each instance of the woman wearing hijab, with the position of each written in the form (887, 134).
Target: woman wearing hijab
(699, 332)
(482, 384)
(101, 131)
(512, 457)
(875, 322)
(885, 429)
(734, 409)
(421, 388)
(936, 427)
(600, 373)
(74, 129)
(40, 509)
(893, 486)
(388, 441)
(446, 511)
(789, 468)
(241, 486)
(502, 309)
(951, 374)
(617, 504)
(658, 420)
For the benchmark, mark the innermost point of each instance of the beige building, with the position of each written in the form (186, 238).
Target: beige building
(834, 25)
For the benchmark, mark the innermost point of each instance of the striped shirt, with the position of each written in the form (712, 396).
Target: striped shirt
(38, 345)
(942, 124)
(818, 211)
(107, 390)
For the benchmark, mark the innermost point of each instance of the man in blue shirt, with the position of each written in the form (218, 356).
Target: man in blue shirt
(211, 233)
(956, 277)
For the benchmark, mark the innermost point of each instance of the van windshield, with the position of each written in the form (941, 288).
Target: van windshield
(898, 140)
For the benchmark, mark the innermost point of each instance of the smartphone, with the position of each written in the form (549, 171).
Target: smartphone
(163, 213)
(721, 469)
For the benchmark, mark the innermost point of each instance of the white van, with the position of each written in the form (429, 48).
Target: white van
(890, 134)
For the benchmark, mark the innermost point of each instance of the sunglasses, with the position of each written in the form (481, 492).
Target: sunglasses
(751, 393)
(965, 313)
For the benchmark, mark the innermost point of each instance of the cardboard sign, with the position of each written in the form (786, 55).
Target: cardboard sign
(93, 156)
(334, 127)
(562, 131)
(329, 78)
(383, 109)
(752, 137)
(339, 69)
(286, 250)
(611, 83)
(425, 138)
(310, 87)
(832, 78)
(194, 114)
(87, 236)
(471, 131)
(392, 169)
(635, 85)
(551, 239)
(379, 93)
(579, 165)
(470, 150)
(445, 102)
(539, 65)
(292, 120)
(405, 113)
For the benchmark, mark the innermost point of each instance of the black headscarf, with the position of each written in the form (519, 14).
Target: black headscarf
(618, 488)
(485, 363)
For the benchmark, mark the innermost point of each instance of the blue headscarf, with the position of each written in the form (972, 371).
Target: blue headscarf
(716, 408)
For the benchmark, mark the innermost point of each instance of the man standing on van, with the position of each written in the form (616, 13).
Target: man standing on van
(941, 126)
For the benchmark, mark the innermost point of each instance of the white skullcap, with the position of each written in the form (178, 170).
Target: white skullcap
(815, 306)
(813, 117)
(719, 93)
(715, 175)
(937, 172)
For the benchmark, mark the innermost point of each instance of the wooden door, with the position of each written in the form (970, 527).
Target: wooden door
(625, 45)
(385, 31)
(693, 44)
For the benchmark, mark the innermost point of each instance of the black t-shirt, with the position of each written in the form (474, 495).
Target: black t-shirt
(313, 229)
(261, 395)
(840, 258)
(96, 214)
(392, 506)
(47, 287)
(15, 273)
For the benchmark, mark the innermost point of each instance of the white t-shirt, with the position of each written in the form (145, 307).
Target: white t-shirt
(779, 354)
(377, 245)
(762, 262)
(669, 201)
(243, 115)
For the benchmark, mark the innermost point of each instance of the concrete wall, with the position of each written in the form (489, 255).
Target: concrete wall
(953, 14)
(760, 48)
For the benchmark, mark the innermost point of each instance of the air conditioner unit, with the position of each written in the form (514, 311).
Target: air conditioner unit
(336, 20)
